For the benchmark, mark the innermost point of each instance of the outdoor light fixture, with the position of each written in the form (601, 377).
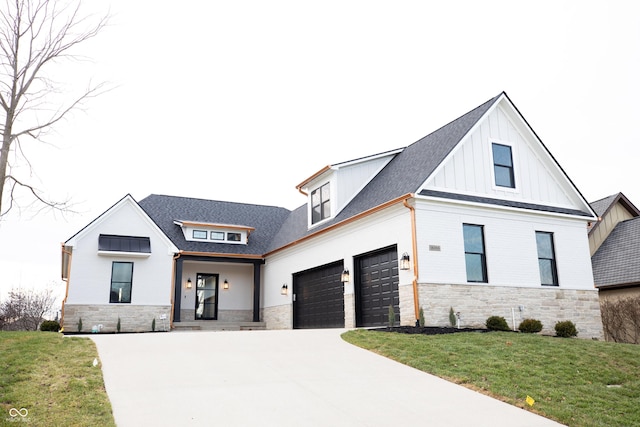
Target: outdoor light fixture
(344, 277)
(189, 284)
(225, 285)
(284, 290)
(404, 261)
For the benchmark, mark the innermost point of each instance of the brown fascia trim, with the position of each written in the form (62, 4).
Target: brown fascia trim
(222, 255)
(371, 211)
(618, 286)
(311, 178)
(626, 203)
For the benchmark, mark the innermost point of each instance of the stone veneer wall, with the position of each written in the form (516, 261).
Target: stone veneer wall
(349, 311)
(407, 309)
(133, 318)
(278, 317)
(476, 303)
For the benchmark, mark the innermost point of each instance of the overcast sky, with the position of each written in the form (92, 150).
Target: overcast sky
(241, 101)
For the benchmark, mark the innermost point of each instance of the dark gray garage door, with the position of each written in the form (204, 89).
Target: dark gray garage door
(376, 286)
(319, 297)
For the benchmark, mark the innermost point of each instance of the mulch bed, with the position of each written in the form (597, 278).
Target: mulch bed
(428, 330)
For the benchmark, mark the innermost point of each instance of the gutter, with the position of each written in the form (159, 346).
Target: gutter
(66, 292)
(414, 255)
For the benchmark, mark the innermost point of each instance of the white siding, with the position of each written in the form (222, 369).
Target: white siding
(510, 246)
(390, 227)
(239, 296)
(90, 275)
(469, 168)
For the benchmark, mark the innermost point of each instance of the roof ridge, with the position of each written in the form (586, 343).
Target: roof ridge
(215, 201)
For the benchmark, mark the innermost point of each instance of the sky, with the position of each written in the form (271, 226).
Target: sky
(242, 101)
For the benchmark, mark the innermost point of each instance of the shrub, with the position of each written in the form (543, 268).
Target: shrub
(118, 325)
(80, 324)
(530, 326)
(153, 325)
(421, 318)
(566, 329)
(497, 323)
(392, 316)
(50, 326)
(452, 318)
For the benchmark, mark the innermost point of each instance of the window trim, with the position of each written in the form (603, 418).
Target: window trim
(483, 254)
(324, 214)
(514, 172)
(130, 282)
(553, 259)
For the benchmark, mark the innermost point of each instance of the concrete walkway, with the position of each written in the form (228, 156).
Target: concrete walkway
(281, 378)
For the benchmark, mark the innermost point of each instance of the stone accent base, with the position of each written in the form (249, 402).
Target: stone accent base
(407, 309)
(133, 318)
(349, 311)
(278, 317)
(476, 303)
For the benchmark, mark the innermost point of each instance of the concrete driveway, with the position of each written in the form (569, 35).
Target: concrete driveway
(281, 378)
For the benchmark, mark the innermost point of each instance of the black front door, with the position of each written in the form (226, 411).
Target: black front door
(206, 296)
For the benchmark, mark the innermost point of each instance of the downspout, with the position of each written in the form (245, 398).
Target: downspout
(66, 292)
(173, 289)
(414, 248)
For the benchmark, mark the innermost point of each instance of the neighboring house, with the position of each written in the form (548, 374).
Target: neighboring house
(615, 248)
(477, 216)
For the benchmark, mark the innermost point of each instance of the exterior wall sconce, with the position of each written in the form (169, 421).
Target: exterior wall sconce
(189, 284)
(225, 285)
(404, 262)
(344, 277)
(284, 290)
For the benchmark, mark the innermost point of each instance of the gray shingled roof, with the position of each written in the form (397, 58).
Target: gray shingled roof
(266, 220)
(601, 206)
(404, 174)
(616, 261)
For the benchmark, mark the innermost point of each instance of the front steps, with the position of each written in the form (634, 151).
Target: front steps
(215, 325)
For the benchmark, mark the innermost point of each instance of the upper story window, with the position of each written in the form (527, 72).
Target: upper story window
(199, 234)
(215, 233)
(320, 204)
(546, 258)
(474, 255)
(503, 166)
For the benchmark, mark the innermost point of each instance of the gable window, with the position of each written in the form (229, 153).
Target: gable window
(320, 204)
(474, 255)
(503, 166)
(546, 258)
(121, 279)
(199, 234)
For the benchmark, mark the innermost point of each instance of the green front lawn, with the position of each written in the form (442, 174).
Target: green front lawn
(49, 380)
(574, 381)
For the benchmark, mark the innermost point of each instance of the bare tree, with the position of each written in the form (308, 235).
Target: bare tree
(25, 309)
(34, 36)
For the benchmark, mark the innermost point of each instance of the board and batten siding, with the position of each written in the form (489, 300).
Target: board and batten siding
(392, 226)
(351, 179)
(616, 214)
(469, 169)
(90, 275)
(510, 245)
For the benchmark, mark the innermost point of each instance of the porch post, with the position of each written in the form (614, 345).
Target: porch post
(178, 290)
(256, 291)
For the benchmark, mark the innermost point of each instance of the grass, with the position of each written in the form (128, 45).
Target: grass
(53, 378)
(574, 381)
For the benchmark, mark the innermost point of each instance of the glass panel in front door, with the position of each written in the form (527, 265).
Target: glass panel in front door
(206, 296)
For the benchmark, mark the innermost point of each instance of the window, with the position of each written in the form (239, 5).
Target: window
(474, 255)
(503, 166)
(199, 234)
(320, 204)
(217, 235)
(546, 258)
(233, 237)
(121, 276)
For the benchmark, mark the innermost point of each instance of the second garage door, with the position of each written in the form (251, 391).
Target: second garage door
(319, 297)
(376, 287)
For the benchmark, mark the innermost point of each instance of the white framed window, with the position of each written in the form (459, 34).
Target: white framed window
(320, 203)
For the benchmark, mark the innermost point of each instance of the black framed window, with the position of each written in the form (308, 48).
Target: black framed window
(233, 237)
(217, 235)
(320, 204)
(474, 253)
(199, 234)
(546, 258)
(503, 166)
(121, 281)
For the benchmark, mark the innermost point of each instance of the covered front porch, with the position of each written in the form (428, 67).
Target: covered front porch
(217, 293)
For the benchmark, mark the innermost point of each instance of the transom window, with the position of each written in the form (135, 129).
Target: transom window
(121, 279)
(217, 235)
(546, 258)
(233, 237)
(200, 234)
(320, 204)
(503, 166)
(474, 254)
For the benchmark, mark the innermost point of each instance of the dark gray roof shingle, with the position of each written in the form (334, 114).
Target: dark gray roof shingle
(266, 220)
(616, 261)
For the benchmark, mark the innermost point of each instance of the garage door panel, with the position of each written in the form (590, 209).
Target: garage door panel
(376, 287)
(319, 298)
